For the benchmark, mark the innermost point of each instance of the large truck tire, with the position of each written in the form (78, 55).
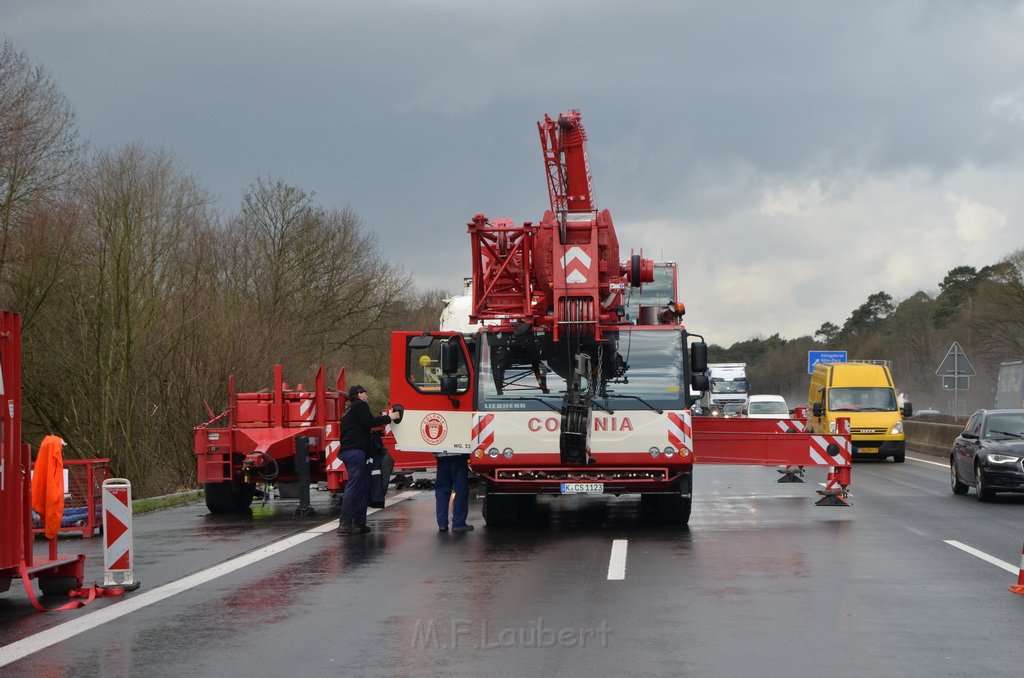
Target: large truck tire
(501, 510)
(230, 496)
(669, 508)
(674, 509)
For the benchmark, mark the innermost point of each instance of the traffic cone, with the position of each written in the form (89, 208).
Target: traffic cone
(1019, 586)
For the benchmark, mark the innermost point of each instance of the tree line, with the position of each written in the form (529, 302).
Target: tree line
(138, 299)
(981, 309)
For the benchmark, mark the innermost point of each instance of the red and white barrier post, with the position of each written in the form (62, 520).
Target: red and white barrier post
(1019, 586)
(117, 534)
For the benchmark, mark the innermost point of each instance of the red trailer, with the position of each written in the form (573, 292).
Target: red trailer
(284, 435)
(56, 574)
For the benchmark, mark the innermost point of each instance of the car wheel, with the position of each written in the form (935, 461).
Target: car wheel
(954, 479)
(984, 493)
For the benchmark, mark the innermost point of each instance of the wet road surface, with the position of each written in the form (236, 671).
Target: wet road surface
(761, 583)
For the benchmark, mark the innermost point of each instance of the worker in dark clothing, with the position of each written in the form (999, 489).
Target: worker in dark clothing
(452, 475)
(355, 444)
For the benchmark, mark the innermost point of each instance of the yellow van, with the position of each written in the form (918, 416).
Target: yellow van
(863, 392)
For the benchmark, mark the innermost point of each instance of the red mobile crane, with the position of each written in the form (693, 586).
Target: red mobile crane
(560, 391)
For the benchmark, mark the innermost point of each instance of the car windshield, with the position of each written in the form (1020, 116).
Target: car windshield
(873, 399)
(1005, 427)
(768, 407)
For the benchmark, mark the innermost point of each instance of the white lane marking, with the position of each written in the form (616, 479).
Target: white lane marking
(617, 562)
(984, 556)
(44, 639)
(944, 465)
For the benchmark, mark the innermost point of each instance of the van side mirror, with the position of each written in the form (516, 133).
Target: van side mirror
(908, 410)
(818, 409)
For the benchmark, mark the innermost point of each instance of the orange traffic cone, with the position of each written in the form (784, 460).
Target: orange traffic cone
(1019, 586)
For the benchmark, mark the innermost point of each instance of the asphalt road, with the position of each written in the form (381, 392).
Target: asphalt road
(909, 581)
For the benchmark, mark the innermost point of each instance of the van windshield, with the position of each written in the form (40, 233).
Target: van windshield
(874, 399)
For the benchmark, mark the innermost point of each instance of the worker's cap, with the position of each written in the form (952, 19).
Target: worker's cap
(354, 392)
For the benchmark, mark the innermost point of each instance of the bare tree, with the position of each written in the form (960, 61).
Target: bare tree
(316, 280)
(127, 318)
(37, 143)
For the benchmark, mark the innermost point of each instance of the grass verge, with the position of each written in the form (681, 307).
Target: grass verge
(166, 501)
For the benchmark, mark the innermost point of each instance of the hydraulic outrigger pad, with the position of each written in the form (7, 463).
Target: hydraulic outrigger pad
(791, 474)
(832, 498)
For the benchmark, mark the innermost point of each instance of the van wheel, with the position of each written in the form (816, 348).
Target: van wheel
(899, 458)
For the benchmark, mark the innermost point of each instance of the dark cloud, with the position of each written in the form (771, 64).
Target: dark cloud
(761, 138)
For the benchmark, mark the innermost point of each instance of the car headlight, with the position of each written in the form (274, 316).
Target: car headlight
(897, 428)
(1003, 459)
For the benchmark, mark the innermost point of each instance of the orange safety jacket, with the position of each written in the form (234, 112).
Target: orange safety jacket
(48, 484)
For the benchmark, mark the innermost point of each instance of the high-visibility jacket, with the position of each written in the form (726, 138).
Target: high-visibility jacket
(48, 484)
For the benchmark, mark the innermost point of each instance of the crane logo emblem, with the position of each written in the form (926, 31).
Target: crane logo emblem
(576, 263)
(433, 429)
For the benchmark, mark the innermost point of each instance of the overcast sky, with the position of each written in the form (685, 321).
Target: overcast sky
(792, 157)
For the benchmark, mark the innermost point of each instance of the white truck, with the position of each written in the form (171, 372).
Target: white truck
(1010, 385)
(728, 391)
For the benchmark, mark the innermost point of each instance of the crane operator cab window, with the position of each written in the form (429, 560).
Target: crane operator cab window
(426, 364)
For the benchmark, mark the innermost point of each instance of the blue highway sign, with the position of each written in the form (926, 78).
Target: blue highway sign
(815, 357)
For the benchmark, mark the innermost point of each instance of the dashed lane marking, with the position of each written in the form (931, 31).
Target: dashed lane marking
(944, 465)
(617, 561)
(1012, 569)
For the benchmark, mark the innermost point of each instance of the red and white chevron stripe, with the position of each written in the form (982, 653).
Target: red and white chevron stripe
(334, 462)
(576, 263)
(307, 410)
(117, 528)
(784, 425)
(680, 431)
(818, 450)
(483, 430)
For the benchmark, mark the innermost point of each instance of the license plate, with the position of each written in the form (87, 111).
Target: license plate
(582, 488)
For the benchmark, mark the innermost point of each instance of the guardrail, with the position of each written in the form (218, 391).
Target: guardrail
(931, 438)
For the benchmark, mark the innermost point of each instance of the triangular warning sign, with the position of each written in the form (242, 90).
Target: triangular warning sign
(113, 529)
(956, 363)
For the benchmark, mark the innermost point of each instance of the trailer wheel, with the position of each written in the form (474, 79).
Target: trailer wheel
(57, 586)
(229, 496)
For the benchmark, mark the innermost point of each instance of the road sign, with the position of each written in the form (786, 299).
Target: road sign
(956, 363)
(951, 383)
(815, 357)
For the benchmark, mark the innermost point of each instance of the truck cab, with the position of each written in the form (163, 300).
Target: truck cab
(863, 392)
